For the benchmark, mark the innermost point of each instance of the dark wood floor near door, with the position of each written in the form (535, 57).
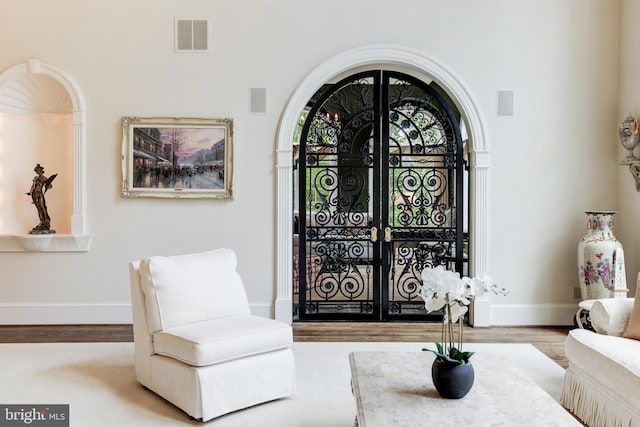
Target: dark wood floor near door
(65, 333)
(549, 340)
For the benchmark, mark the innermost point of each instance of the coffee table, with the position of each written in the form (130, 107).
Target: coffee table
(395, 389)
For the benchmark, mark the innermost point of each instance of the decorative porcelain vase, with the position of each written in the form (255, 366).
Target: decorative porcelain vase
(452, 380)
(629, 138)
(601, 259)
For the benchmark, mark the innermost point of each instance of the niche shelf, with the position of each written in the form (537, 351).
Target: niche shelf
(44, 243)
(36, 94)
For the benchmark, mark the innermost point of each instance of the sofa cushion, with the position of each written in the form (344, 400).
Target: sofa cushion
(215, 341)
(610, 316)
(184, 289)
(633, 327)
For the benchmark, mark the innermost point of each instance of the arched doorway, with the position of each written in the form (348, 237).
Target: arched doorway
(380, 180)
(372, 56)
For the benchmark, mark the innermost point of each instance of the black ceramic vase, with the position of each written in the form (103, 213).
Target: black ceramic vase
(452, 380)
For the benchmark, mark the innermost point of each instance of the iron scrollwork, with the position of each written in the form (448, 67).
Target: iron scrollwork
(414, 156)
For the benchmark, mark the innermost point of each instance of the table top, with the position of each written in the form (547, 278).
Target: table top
(395, 389)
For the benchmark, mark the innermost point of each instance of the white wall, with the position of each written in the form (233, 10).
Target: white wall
(629, 205)
(551, 161)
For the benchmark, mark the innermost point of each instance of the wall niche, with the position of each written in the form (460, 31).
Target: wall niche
(41, 121)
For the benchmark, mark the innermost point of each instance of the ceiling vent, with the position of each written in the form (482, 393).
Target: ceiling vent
(192, 35)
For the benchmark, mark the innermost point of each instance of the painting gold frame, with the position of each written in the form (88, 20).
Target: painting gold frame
(177, 157)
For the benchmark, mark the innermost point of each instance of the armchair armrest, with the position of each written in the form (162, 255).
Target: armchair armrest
(610, 316)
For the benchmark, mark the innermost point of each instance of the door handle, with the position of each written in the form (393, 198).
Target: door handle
(374, 234)
(387, 234)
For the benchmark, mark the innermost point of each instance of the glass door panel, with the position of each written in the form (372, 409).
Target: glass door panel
(379, 197)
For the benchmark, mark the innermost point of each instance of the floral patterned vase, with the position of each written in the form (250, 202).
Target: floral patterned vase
(601, 259)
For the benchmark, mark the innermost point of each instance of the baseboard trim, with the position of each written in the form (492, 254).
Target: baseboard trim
(533, 314)
(83, 313)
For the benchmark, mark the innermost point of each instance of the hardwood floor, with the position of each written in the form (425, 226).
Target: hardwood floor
(65, 333)
(549, 340)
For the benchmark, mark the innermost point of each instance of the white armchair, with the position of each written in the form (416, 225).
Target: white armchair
(196, 343)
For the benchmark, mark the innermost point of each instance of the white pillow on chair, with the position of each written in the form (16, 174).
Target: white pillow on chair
(191, 288)
(610, 316)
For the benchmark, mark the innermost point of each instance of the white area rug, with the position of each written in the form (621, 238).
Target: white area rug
(97, 381)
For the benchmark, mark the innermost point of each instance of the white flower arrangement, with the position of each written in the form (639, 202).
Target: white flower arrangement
(444, 289)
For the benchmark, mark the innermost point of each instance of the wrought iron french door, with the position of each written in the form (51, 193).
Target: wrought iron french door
(380, 183)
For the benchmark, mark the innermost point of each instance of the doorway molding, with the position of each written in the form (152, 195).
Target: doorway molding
(413, 60)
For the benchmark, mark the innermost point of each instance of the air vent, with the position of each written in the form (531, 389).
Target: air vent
(192, 35)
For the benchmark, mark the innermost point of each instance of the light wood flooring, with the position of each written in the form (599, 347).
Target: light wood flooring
(549, 340)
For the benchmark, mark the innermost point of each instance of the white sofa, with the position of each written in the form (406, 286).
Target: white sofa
(196, 342)
(602, 383)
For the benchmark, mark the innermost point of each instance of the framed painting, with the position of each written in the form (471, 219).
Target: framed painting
(177, 157)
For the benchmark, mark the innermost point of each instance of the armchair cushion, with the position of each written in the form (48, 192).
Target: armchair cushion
(221, 340)
(185, 289)
(633, 327)
(610, 316)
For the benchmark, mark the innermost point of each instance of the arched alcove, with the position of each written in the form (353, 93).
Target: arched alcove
(41, 121)
(374, 56)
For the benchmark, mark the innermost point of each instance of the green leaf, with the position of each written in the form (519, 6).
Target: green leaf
(467, 355)
(454, 355)
(442, 356)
